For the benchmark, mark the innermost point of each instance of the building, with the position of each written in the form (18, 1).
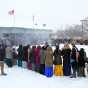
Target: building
(18, 35)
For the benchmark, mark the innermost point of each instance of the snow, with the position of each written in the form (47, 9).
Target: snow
(23, 78)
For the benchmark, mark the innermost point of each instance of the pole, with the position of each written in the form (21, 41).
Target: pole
(82, 29)
(33, 20)
(13, 20)
(14, 34)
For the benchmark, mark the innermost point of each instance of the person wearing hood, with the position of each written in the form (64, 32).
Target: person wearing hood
(58, 69)
(81, 63)
(66, 51)
(49, 62)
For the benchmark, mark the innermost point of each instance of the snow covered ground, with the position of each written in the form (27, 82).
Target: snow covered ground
(23, 78)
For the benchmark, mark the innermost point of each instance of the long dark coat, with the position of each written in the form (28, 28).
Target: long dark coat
(57, 57)
(66, 61)
(26, 53)
(32, 55)
(20, 52)
(2, 53)
(82, 58)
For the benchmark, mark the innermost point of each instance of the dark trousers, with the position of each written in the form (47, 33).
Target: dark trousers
(74, 68)
(42, 68)
(8, 61)
(37, 67)
(81, 71)
(67, 69)
(20, 62)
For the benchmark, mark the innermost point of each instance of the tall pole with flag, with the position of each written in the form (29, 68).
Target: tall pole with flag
(12, 13)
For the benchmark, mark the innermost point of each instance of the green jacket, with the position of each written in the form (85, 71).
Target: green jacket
(42, 56)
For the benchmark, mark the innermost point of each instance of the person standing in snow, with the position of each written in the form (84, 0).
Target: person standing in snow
(73, 60)
(66, 60)
(58, 69)
(32, 58)
(14, 56)
(8, 56)
(81, 63)
(37, 58)
(42, 60)
(20, 55)
(2, 57)
(28, 62)
(49, 62)
(25, 55)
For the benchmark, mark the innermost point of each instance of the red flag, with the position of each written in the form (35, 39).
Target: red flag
(11, 12)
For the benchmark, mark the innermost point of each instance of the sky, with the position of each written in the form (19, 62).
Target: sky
(56, 14)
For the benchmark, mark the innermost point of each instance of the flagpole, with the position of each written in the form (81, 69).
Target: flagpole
(33, 18)
(13, 20)
(12, 14)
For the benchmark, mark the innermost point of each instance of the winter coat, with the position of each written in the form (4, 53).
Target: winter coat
(66, 61)
(2, 53)
(49, 57)
(32, 55)
(9, 53)
(82, 58)
(66, 55)
(42, 56)
(57, 57)
(73, 57)
(14, 54)
(25, 53)
(37, 55)
(20, 52)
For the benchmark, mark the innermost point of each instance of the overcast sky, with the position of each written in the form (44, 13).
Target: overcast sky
(54, 13)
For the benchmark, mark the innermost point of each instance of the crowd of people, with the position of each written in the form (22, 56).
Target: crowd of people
(46, 61)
